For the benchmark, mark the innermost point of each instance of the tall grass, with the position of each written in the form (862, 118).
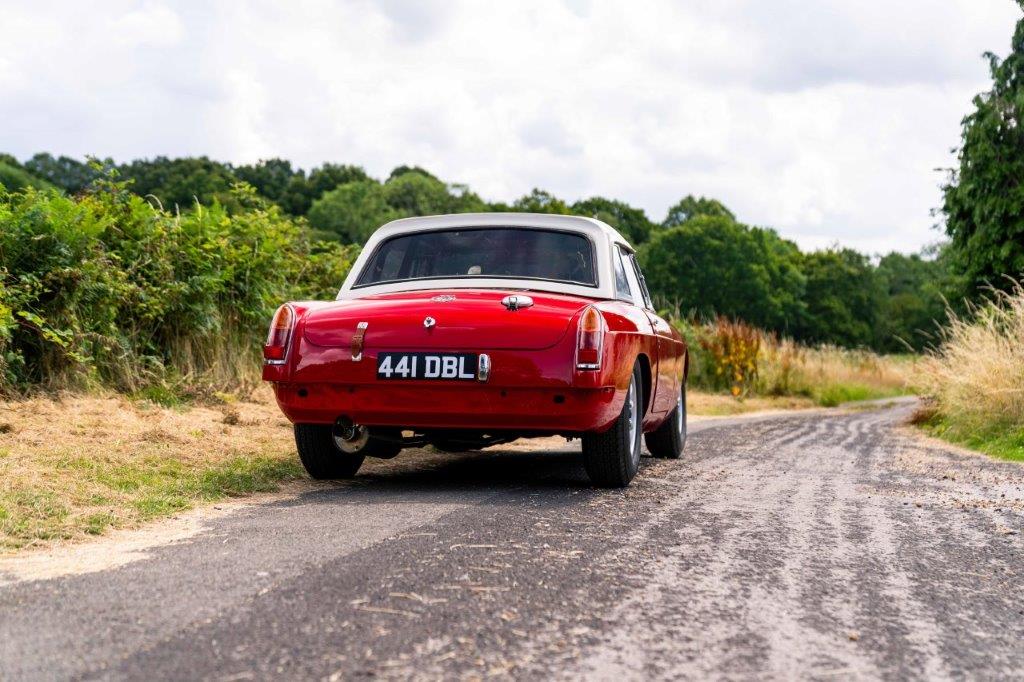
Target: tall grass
(740, 359)
(731, 351)
(833, 375)
(975, 377)
(105, 289)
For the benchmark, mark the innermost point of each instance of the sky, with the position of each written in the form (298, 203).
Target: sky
(827, 120)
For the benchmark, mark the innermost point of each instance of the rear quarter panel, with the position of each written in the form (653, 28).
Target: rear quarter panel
(631, 335)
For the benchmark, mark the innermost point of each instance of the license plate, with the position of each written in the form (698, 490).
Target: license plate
(447, 366)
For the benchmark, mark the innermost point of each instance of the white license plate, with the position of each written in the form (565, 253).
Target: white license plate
(445, 366)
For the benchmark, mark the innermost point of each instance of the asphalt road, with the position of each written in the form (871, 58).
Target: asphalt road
(803, 545)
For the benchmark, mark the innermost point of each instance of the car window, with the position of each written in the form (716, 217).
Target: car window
(642, 282)
(391, 261)
(499, 252)
(622, 289)
(634, 282)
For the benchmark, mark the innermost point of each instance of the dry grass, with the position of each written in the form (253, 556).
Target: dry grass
(734, 357)
(975, 378)
(832, 375)
(733, 349)
(74, 466)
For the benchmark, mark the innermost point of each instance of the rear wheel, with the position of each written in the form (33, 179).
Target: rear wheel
(612, 458)
(670, 438)
(320, 456)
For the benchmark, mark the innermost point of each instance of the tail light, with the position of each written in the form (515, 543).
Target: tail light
(590, 340)
(276, 347)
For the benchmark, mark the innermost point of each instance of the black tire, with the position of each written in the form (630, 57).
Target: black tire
(612, 458)
(321, 457)
(669, 439)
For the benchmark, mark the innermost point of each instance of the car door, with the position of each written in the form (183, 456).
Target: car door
(664, 368)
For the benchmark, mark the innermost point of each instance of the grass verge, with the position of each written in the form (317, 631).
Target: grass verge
(706, 404)
(975, 378)
(1002, 441)
(832, 395)
(76, 466)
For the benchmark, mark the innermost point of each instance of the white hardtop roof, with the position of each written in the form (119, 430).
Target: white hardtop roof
(538, 220)
(601, 234)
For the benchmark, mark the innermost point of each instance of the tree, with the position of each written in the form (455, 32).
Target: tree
(295, 199)
(690, 207)
(270, 177)
(352, 211)
(181, 182)
(984, 197)
(69, 174)
(413, 193)
(302, 191)
(786, 279)
(713, 265)
(539, 201)
(466, 201)
(402, 170)
(631, 222)
(914, 302)
(331, 175)
(843, 298)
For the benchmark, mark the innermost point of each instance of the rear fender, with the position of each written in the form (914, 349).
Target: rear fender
(629, 339)
(284, 371)
(628, 336)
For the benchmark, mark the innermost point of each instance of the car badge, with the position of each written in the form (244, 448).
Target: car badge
(443, 298)
(429, 322)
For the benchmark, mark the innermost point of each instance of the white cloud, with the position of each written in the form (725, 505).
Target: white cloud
(824, 120)
(151, 24)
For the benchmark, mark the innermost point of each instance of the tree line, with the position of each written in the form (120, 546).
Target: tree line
(700, 260)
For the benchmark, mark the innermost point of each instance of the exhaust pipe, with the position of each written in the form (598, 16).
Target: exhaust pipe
(349, 436)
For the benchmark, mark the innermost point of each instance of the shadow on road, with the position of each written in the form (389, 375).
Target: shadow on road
(428, 476)
(489, 468)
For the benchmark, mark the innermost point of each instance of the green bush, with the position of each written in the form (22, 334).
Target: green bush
(106, 289)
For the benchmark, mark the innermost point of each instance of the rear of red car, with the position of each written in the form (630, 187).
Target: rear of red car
(472, 330)
(445, 359)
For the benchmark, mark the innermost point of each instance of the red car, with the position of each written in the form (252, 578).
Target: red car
(465, 331)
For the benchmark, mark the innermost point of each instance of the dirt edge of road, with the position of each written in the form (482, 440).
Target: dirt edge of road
(126, 545)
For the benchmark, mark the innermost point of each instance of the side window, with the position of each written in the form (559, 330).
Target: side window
(632, 277)
(622, 290)
(643, 283)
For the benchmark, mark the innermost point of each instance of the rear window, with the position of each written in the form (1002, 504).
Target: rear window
(491, 252)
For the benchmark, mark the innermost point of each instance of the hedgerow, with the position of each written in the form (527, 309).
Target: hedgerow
(106, 289)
